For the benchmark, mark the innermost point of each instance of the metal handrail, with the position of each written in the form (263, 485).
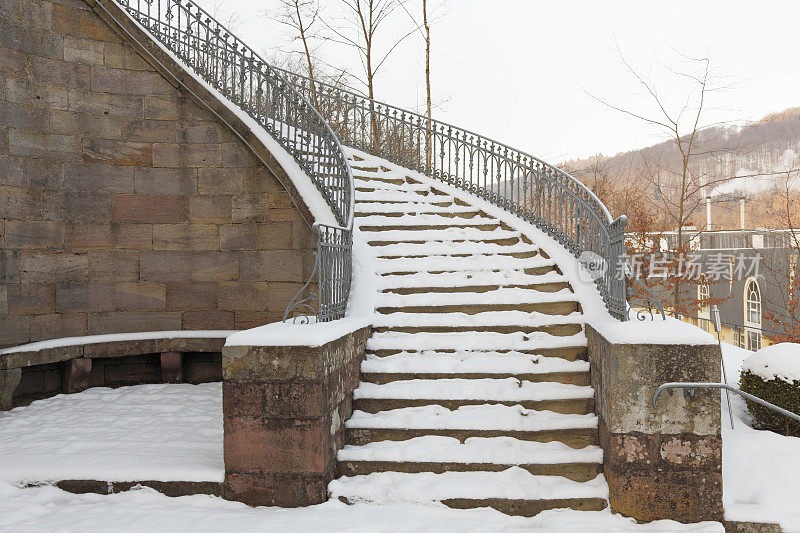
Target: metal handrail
(234, 69)
(689, 387)
(310, 118)
(527, 186)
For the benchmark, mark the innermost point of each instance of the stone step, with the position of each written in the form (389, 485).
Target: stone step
(575, 438)
(452, 223)
(573, 471)
(573, 378)
(556, 329)
(541, 287)
(571, 353)
(549, 308)
(473, 364)
(512, 491)
(390, 270)
(578, 406)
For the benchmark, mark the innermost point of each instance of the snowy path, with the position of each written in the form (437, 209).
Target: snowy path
(140, 433)
(46, 509)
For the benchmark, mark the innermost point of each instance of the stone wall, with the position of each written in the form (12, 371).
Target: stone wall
(664, 462)
(126, 205)
(284, 411)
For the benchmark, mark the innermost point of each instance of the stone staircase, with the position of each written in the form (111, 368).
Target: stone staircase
(475, 390)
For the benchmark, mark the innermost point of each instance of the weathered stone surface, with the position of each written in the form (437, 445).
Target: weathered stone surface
(9, 379)
(664, 462)
(141, 296)
(278, 265)
(149, 208)
(76, 375)
(242, 295)
(282, 409)
(113, 195)
(116, 152)
(171, 367)
(85, 297)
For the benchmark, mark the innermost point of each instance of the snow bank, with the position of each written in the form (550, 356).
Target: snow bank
(759, 468)
(779, 361)
(140, 433)
(297, 334)
(656, 331)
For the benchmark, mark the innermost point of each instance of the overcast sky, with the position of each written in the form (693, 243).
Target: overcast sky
(519, 71)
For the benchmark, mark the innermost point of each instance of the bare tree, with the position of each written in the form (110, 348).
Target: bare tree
(678, 189)
(359, 29)
(301, 17)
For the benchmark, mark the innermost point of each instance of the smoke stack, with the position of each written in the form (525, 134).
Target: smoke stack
(741, 212)
(708, 213)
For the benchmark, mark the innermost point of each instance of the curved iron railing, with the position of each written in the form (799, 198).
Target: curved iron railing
(310, 118)
(243, 77)
(538, 192)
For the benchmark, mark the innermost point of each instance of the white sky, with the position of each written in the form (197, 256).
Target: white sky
(516, 70)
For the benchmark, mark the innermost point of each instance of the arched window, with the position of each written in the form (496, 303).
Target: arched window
(704, 295)
(753, 302)
(752, 314)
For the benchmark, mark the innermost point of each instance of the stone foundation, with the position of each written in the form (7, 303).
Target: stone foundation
(284, 409)
(663, 463)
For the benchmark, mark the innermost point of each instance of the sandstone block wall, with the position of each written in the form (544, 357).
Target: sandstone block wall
(664, 462)
(124, 205)
(284, 411)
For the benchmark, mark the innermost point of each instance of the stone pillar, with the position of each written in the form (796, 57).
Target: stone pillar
(171, 367)
(284, 409)
(9, 379)
(662, 463)
(76, 373)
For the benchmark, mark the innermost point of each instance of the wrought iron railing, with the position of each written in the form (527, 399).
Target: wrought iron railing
(244, 78)
(538, 192)
(310, 118)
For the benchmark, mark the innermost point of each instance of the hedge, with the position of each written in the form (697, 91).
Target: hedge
(778, 392)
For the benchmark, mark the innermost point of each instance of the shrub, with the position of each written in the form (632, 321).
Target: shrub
(772, 374)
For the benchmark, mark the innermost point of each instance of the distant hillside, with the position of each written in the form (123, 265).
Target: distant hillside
(770, 145)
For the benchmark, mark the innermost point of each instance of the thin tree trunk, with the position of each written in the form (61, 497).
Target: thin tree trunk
(427, 76)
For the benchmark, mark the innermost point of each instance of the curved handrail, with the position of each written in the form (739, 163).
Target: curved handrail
(690, 386)
(247, 80)
(516, 181)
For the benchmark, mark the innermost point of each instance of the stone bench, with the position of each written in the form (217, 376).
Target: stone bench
(66, 363)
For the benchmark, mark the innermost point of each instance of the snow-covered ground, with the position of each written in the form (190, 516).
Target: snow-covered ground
(140, 433)
(170, 432)
(761, 469)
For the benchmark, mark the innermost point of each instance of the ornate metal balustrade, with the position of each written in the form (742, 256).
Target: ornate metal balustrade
(261, 91)
(538, 192)
(310, 118)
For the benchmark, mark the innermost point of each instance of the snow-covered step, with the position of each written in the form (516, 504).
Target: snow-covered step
(365, 208)
(498, 236)
(445, 263)
(478, 341)
(575, 430)
(400, 196)
(464, 249)
(442, 454)
(456, 392)
(422, 222)
(502, 299)
(513, 491)
(489, 318)
(470, 278)
(473, 365)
